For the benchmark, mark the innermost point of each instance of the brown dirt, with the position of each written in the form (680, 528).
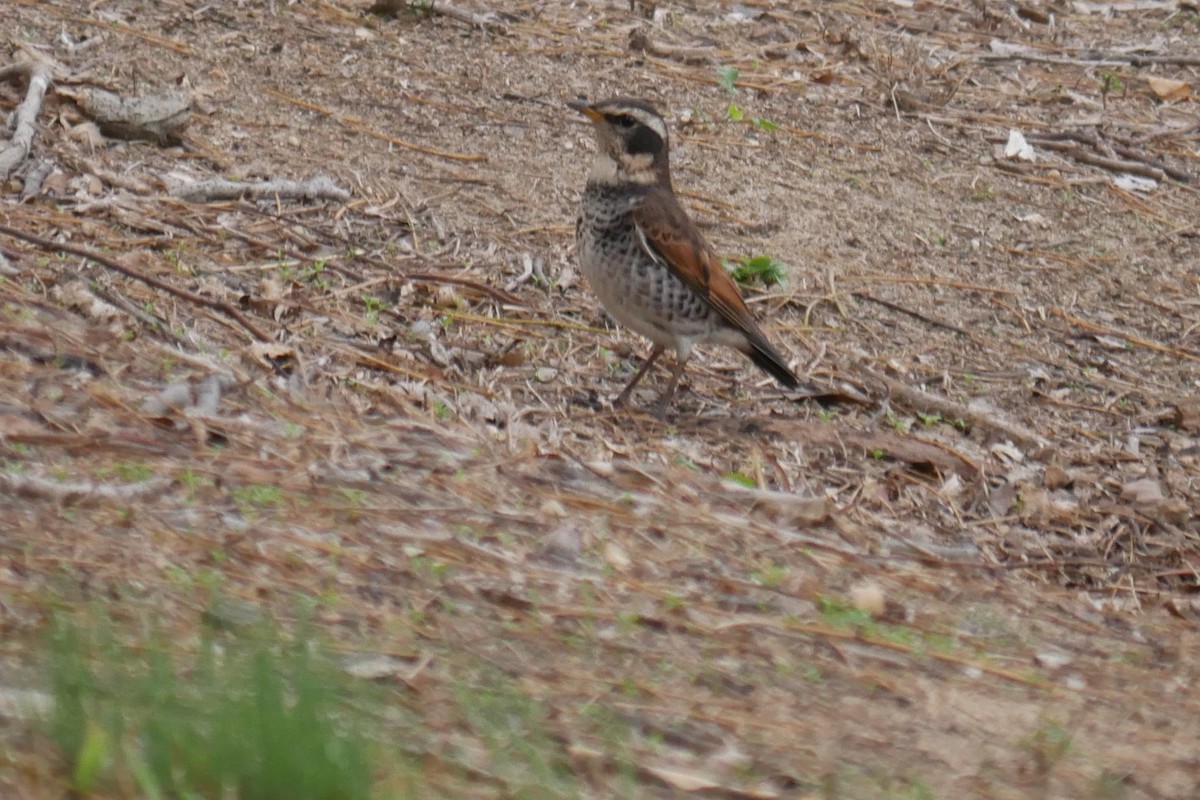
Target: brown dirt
(441, 462)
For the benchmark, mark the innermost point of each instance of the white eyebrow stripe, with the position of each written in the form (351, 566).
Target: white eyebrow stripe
(648, 118)
(651, 121)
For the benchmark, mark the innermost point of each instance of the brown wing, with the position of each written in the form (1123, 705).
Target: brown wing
(671, 237)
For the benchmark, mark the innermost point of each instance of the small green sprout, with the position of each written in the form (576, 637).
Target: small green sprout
(726, 77)
(763, 269)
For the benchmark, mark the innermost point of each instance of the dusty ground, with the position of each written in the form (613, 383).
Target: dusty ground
(425, 444)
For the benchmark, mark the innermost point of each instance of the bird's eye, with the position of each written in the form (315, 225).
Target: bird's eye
(624, 121)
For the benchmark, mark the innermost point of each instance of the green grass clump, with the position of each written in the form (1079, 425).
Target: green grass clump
(266, 716)
(251, 718)
(758, 269)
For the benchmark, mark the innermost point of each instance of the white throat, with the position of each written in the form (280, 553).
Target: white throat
(636, 169)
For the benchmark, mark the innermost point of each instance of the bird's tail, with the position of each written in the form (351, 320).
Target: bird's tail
(768, 359)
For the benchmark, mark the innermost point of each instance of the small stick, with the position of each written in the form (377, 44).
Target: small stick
(937, 323)
(358, 125)
(1097, 60)
(973, 287)
(641, 43)
(948, 408)
(485, 21)
(121, 27)
(129, 272)
(78, 492)
(1146, 343)
(1048, 140)
(1076, 152)
(318, 187)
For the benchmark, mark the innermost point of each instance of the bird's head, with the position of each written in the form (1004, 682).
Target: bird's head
(631, 140)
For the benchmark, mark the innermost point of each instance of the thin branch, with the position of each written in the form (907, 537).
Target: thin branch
(639, 42)
(353, 123)
(485, 20)
(937, 323)
(183, 294)
(920, 399)
(1095, 59)
(40, 76)
(1100, 330)
(318, 187)
(1108, 150)
(78, 492)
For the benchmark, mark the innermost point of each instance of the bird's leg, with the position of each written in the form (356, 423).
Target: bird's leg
(649, 362)
(660, 408)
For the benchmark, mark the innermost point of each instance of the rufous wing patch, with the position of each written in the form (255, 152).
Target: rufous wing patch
(671, 237)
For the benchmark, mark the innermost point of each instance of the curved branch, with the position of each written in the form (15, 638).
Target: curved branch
(40, 76)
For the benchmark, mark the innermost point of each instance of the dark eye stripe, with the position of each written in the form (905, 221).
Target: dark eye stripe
(645, 140)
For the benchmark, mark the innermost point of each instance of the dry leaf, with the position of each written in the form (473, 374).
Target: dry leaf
(616, 556)
(57, 184)
(24, 704)
(869, 597)
(1134, 183)
(1056, 477)
(1018, 148)
(513, 357)
(1187, 417)
(269, 353)
(271, 289)
(78, 296)
(1169, 90)
(1053, 659)
(88, 134)
(1143, 492)
(448, 297)
(1033, 14)
(375, 667)
(686, 781)
(1184, 607)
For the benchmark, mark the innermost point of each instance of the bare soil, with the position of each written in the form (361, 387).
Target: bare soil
(996, 456)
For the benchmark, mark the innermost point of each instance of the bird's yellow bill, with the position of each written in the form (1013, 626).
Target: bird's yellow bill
(586, 109)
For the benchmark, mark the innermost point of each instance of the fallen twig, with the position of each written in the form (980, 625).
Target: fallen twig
(1112, 164)
(484, 20)
(356, 124)
(641, 43)
(393, 272)
(77, 492)
(84, 252)
(909, 449)
(121, 27)
(1130, 161)
(937, 323)
(1094, 59)
(1091, 327)
(40, 75)
(318, 187)
(949, 409)
(908, 279)
(495, 293)
(1108, 150)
